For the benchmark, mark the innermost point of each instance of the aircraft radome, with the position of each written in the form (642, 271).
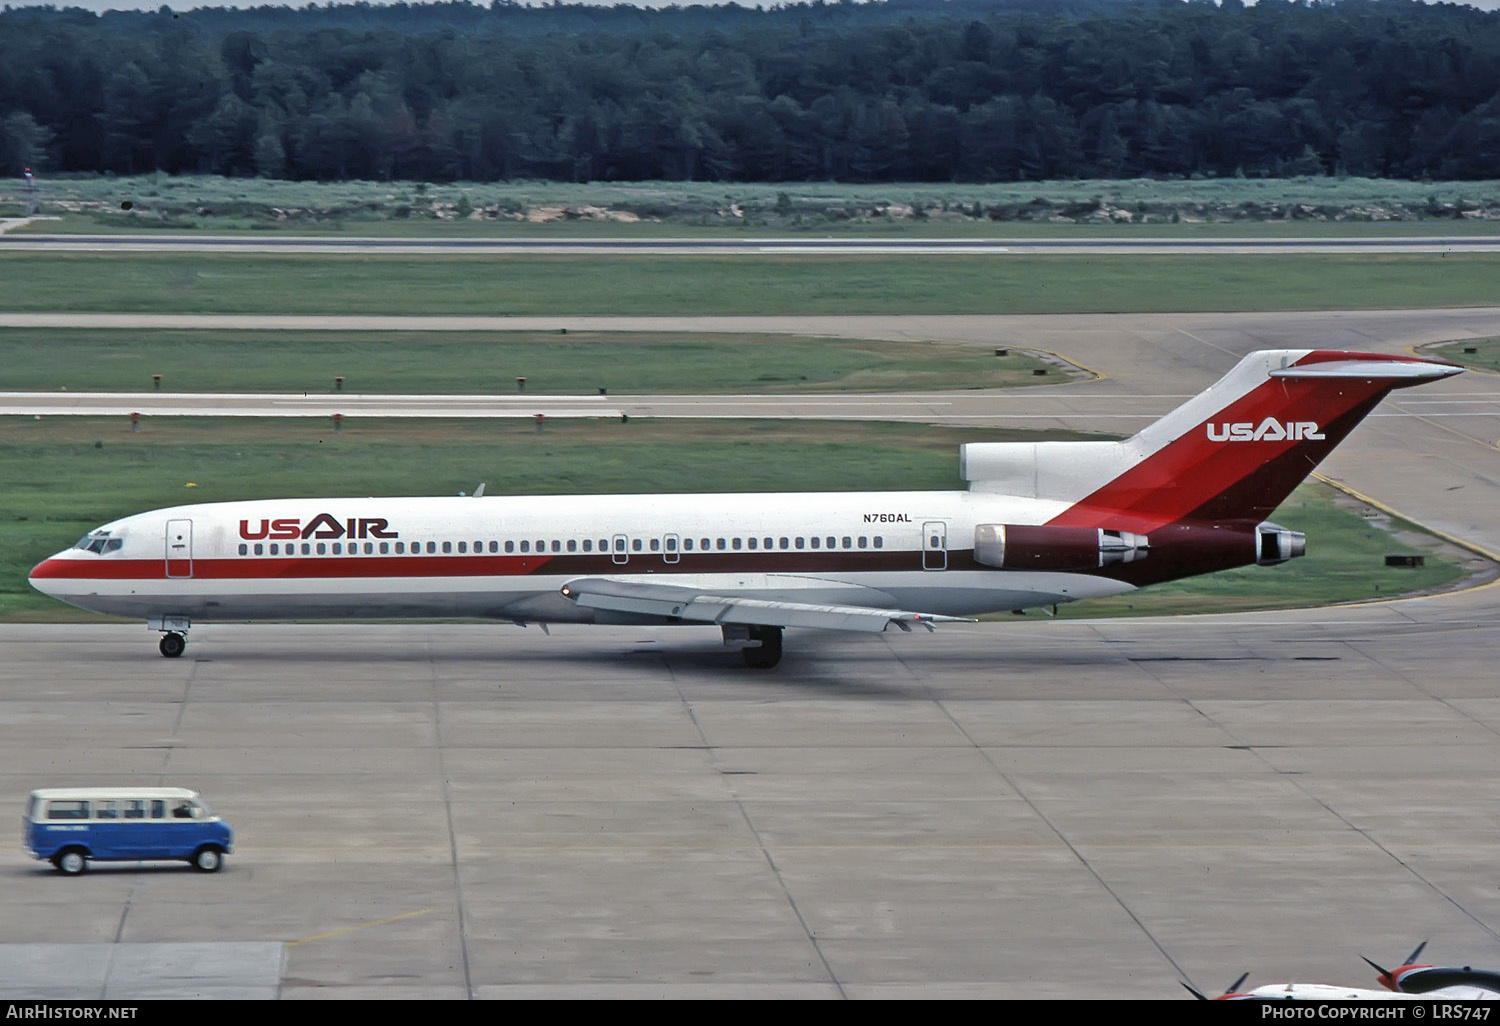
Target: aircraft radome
(1041, 523)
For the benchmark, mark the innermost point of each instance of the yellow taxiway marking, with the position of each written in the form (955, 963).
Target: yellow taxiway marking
(361, 926)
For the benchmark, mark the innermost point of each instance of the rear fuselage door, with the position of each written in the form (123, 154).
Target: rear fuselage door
(935, 545)
(179, 548)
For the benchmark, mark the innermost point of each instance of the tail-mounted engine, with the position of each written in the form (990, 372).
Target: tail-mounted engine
(1028, 547)
(1275, 544)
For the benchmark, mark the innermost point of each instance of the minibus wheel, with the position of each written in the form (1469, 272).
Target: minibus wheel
(208, 859)
(71, 862)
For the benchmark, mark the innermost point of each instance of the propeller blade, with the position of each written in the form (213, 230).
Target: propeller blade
(1236, 984)
(1196, 993)
(1415, 952)
(1385, 979)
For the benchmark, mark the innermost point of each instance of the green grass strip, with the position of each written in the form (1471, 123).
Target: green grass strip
(490, 362)
(737, 285)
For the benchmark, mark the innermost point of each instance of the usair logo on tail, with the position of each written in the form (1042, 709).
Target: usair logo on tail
(1270, 430)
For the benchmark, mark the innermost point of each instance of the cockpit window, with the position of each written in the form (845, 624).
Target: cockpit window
(99, 542)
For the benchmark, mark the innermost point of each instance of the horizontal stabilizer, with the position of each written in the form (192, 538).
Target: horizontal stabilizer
(1398, 371)
(685, 603)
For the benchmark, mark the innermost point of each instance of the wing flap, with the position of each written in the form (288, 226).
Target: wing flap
(677, 602)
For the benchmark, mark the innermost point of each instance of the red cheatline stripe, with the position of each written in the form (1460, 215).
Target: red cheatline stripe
(268, 568)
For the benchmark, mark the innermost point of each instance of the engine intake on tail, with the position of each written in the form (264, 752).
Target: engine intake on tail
(1275, 544)
(1029, 547)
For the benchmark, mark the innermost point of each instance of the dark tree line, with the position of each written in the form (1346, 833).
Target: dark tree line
(927, 90)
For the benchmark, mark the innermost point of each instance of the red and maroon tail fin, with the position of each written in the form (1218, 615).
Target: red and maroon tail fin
(1232, 453)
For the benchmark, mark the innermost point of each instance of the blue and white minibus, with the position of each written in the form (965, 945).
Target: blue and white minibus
(70, 827)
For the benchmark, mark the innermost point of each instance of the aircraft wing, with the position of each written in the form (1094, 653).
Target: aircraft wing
(703, 606)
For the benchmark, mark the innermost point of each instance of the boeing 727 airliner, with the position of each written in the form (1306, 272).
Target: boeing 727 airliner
(1040, 524)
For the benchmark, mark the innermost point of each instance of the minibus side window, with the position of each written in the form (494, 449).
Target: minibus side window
(158, 809)
(68, 810)
(107, 810)
(135, 809)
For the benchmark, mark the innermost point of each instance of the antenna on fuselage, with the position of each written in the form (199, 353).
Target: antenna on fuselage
(479, 491)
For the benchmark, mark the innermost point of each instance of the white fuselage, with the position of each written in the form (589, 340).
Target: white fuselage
(508, 557)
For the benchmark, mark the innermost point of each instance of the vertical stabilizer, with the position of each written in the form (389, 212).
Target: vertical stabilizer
(1233, 452)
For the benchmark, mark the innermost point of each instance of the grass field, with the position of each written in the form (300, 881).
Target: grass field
(1486, 355)
(489, 362)
(697, 285)
(64, 476)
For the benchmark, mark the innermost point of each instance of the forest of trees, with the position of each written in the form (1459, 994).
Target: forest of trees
(905, 90)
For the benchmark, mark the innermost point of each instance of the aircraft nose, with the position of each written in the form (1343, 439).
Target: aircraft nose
(44, 577)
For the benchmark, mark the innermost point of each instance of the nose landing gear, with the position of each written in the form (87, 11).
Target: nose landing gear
(173, 633)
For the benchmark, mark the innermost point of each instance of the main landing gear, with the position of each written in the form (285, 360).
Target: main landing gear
(766, 654)
(172, 644)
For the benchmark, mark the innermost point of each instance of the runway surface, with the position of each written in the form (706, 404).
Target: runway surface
(1031, 808)
(798, 246)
